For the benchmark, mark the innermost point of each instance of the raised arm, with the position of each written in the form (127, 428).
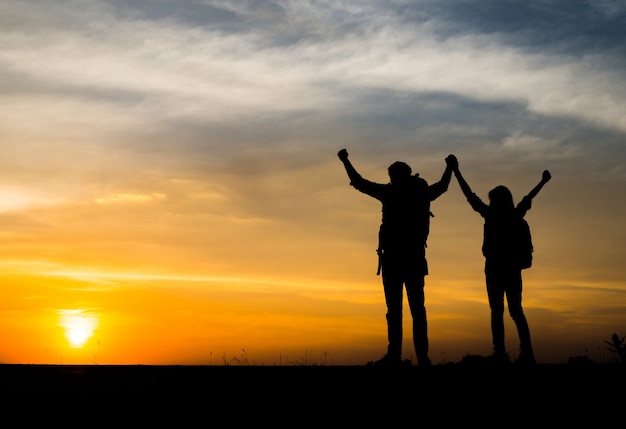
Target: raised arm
(467, 191)
(353, 175)
(437, 189)
(451, 164)
(474, 200)
(545, 178)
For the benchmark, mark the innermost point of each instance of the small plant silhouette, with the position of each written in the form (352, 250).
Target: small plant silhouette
(617, 347)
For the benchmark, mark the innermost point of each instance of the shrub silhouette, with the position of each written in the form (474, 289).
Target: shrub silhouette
(617, 347)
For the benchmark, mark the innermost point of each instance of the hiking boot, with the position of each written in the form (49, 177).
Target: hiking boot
(387, 361)
(525, 359)
(499, 358)
(424, 362)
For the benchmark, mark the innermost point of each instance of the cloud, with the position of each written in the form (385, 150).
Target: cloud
(168, 70)
(225, 106)
(127, 198)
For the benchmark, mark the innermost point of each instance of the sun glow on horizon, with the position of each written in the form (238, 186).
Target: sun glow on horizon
(79, 326)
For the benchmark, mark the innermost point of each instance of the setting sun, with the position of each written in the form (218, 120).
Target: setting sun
(79, 326)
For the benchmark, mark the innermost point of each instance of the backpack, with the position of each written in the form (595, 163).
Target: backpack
(524, 244)
(413, 211)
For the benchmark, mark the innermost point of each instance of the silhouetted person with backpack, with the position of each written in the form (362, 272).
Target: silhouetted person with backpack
(402, 247)
(503, 264)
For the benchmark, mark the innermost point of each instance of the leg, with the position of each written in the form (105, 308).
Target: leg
(393, 287)
(495, 294)
(514, 300)
(415, 295)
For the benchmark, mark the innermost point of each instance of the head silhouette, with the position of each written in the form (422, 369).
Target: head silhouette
(500, 198)
(399, 172)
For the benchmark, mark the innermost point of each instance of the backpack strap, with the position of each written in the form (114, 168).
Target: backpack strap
(379, 251)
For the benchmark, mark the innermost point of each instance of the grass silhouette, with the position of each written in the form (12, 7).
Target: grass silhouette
(472, 391)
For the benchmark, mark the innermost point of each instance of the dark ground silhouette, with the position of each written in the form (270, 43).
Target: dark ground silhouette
(467, 392)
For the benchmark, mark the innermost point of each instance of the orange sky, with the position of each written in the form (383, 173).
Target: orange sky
(170, 191)
(193, 287)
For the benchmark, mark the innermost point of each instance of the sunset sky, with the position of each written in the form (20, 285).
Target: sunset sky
(170, 191)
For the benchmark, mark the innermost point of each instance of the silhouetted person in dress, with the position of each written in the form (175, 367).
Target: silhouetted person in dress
(503, 273)
(402, 247)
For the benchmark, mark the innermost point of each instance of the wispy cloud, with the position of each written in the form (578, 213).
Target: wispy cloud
(167, 69)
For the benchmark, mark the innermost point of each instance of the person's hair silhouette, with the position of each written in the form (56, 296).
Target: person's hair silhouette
(503, 271)
(402, 247)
